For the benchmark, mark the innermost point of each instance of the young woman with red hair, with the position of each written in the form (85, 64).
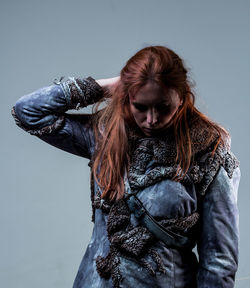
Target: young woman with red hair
(163, 178)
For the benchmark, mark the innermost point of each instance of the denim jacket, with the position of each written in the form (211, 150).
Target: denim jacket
(42, 113)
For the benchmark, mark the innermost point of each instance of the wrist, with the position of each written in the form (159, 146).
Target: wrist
(108, 82)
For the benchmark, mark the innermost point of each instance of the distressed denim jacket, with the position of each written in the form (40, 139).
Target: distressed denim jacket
(42, 113)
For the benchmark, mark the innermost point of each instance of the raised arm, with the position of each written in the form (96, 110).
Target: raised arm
(219, 239)
(42, 113)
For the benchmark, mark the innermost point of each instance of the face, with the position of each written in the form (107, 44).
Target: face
(153, 108)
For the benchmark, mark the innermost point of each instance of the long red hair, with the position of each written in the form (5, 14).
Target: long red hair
(165, 67)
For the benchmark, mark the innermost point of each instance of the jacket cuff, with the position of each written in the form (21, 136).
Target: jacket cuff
(80, 92)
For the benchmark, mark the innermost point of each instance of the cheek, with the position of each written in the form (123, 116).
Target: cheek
(167, 118)
(137, 115)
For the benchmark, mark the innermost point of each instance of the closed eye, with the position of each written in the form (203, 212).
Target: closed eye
(140, 107)
(164, 108)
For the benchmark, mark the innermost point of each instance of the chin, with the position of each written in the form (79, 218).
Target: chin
(147, 134)
(158, 131)
(151, 133)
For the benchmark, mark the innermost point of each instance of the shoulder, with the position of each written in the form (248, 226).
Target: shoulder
(221, 163)
(211, 150)
(204, 134)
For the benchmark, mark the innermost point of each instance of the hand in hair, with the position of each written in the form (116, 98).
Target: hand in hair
(108, 82)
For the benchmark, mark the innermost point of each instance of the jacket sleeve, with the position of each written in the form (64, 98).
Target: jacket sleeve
(218, 245)
(42, 113)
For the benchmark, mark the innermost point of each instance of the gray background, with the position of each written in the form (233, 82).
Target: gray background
(45, 209)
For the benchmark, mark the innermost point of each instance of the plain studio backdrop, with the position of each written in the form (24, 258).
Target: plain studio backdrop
(45, 212)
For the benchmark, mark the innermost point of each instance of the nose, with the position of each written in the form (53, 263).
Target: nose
(152, 117)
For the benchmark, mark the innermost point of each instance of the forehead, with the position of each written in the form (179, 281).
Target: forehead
(151, 93)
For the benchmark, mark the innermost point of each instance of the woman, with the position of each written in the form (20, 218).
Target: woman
(163, 177)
